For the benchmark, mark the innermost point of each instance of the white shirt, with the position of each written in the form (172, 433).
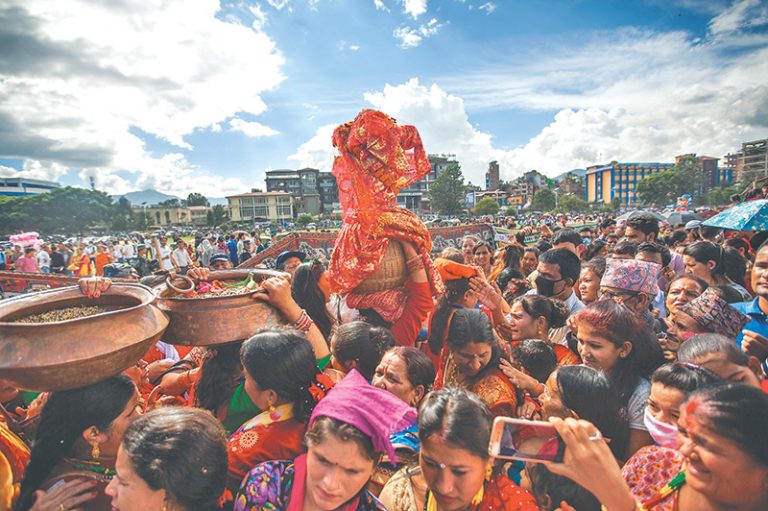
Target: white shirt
(43, 259)
(165, 257)
(181, 257)
(128, 251)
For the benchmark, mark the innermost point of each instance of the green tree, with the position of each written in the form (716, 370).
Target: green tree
(217, 215)
(571, 204)
(63, 210)
(486, 207)
(123, 216)
(448, 191)
(665, 187)
(543, 200)
(197, 199)
(303, 219)
(615, 204)
(170, 203)
(141, 220)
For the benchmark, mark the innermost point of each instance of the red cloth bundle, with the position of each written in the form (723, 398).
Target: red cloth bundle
(378, 158)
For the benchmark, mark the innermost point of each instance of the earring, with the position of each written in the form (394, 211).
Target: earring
(488, 472)
(95, 451)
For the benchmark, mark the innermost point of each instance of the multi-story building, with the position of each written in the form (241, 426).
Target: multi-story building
(23, 187)
(492, 181)
(416, 196)
(314, 191)
(708, 175)
(163, 216)
(604, 182)
(751, 159)
(261, 206)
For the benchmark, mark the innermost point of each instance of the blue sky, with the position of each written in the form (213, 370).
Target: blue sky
(205, 96)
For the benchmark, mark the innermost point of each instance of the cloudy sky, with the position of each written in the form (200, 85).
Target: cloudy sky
(206, 95)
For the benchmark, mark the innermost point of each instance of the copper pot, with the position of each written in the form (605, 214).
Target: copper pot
(78, 352)
(217, 320)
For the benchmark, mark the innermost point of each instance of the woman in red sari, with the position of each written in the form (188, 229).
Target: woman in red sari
(472, 362)
(281, 378)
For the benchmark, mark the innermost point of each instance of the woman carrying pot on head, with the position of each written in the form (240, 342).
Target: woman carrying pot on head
(281, 378)
(347, 434)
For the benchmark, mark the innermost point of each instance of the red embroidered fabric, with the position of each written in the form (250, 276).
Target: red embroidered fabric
(378, 158)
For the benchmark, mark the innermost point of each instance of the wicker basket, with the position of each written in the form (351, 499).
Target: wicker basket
(391, 274)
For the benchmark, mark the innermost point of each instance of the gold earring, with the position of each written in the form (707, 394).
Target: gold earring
(271, 408)
(488, 472)
(95, 451)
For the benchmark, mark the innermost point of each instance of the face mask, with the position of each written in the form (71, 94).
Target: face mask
(663, 434)
(546, 287)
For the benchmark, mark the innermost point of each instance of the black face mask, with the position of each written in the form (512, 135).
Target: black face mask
(546, 287)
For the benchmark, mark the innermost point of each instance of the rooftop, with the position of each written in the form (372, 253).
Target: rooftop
(257, 194)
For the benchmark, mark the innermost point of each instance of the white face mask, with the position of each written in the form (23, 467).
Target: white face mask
(663, 434)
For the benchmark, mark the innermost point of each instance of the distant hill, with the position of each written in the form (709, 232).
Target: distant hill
(151, 197)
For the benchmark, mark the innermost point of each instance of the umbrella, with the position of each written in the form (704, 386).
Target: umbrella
(681, 217)
(638, 212)
(747, 216)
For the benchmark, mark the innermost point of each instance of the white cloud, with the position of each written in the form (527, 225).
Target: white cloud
(345, 45)
(259, 17)
(252, 128)
(380, 5)
(278, 4)
(488, 7)
(411, 37)
(318, 151)
(743, 14)
(82, 81)
(415, 8)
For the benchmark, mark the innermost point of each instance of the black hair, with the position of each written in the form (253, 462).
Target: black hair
(438, 325)
(690, 276)
(590, 394)
(418, 365)
(480, 244)
(728, 293)
(282, 360)
(550, 489)
(473, 326)
(219, 376)
(737, 412)
(536, 357)
(593, 249)
(684, 376)
(567, 261)
(64, 418)
(567, 236)
(596, 265)
(738, 244)
(363, 343)
(543, 246)
(306, 291)
(644, 223)
(708, 232)
(625, 247)
(607, 223)
(459, 417)
(182, 451)
(702, 345)
(535, 250)
(650, 247)
(452, 254)
(675, 237)
(555, 311)
(728, 261)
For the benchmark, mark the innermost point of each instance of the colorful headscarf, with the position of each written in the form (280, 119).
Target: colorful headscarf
(451, 270)
(713, 314)
(631, 275)
(374, 411)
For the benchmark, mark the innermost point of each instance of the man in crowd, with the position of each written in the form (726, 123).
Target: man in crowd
(641, 228)
(28, 262)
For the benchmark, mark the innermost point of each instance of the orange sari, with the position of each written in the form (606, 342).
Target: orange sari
(494, 388)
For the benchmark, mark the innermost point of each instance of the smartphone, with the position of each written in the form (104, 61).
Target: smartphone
(519, 439)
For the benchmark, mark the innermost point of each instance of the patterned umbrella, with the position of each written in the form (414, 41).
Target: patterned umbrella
(747, 216)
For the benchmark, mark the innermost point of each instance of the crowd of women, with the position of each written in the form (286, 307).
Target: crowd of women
(644, 347)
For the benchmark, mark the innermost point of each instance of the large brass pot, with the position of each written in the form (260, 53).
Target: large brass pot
(77, 352)
(219, 320)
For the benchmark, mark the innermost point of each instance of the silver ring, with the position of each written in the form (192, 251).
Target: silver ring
(597, 436)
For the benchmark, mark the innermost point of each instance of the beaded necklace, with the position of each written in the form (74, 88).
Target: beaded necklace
(665, 491)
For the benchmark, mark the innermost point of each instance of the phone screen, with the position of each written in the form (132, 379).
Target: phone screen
(526, 440)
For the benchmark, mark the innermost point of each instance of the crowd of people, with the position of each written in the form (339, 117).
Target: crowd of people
(642, 344)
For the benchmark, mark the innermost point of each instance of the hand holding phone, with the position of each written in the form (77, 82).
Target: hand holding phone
(519, 439)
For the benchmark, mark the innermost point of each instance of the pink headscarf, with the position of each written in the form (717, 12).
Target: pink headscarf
(374, 411)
